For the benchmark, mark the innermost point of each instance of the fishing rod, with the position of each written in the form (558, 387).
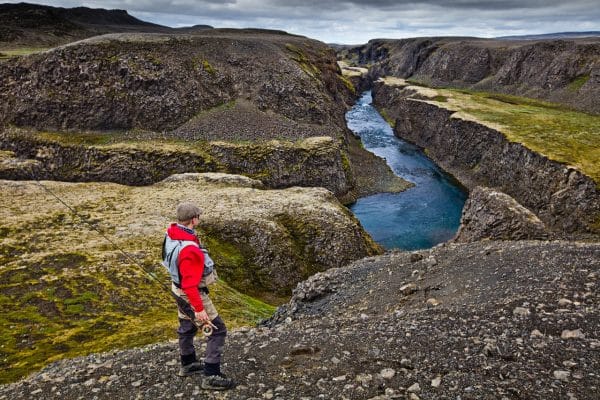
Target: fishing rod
(183, 306)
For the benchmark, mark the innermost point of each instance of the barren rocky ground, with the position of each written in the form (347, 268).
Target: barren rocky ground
(487, 320)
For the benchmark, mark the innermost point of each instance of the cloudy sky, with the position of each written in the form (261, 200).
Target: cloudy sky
(354, 21)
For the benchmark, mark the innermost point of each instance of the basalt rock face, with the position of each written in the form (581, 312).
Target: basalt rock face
(563, 198)
(563, 71)
(315, 161)
(493, 215)
(159, 82)
(478, 320)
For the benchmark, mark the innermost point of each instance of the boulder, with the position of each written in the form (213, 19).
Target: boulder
(490, 214)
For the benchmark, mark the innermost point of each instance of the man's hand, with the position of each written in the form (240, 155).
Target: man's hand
(201, 316)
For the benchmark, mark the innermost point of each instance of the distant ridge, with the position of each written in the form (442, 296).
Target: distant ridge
(25, 24)
(558, 35)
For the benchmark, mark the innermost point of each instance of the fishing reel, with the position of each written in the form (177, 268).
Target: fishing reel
(206, 329)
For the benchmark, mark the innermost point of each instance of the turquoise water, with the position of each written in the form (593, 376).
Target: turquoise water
(418, 218)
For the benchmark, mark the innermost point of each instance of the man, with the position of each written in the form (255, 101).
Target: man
(184, 258)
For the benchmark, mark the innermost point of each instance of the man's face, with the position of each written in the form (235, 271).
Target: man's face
(196, 221)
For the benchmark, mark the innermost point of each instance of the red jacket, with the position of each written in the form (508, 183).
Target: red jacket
(191, 266)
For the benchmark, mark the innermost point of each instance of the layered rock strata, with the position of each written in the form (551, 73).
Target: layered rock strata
(562, 197)
(317, 161)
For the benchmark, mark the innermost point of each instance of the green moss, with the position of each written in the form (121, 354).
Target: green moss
(112, 59)
(305, 64)
(440, 99)
(346, 163)
(74, 309)
(578, 82)
(23, 51)
(347, 83)
(154, 59)
(77, 138)
(208, 68)
(391, 121)
(79, 312)
(64, 260)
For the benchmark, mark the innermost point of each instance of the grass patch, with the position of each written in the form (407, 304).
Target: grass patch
(578, 82)
(24, 51)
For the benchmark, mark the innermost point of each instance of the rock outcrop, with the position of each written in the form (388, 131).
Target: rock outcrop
(316, 161)
(68, 290)
(563, 71)
(478, 320)
(565, 199)
(492, 215)
(159, 82)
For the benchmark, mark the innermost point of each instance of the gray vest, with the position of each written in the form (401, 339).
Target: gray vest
(171, 250)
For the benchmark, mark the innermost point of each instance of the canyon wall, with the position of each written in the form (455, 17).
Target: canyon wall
(562, 197)
(562, 71)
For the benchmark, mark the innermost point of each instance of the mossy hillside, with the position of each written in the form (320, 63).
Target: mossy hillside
(562, 134)
(66, 291)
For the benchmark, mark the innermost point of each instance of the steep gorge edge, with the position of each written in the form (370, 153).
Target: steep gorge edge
(561, 71)
(565, 199)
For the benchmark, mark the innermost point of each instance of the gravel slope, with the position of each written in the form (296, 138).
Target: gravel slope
(486, 320)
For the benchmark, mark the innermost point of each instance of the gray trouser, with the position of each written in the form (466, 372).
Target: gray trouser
(214, 343)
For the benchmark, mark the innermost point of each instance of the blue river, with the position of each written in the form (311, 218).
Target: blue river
(420, 217)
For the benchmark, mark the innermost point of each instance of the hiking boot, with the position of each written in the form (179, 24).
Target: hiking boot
(217, 382)
(194, 368)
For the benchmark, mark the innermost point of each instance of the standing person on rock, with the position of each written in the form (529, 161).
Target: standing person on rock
(191, 271)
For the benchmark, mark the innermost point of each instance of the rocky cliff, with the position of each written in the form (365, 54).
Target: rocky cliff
(244, 87)
(317, 161)
(563, 71)
(479, 320)
(159, 82)
(478, 155)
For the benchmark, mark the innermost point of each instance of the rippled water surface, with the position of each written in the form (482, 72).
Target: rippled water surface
(417, 218)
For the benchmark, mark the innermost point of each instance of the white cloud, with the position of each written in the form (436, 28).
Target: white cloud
(355, 21)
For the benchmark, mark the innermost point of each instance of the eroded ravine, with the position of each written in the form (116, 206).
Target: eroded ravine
(420, 217)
